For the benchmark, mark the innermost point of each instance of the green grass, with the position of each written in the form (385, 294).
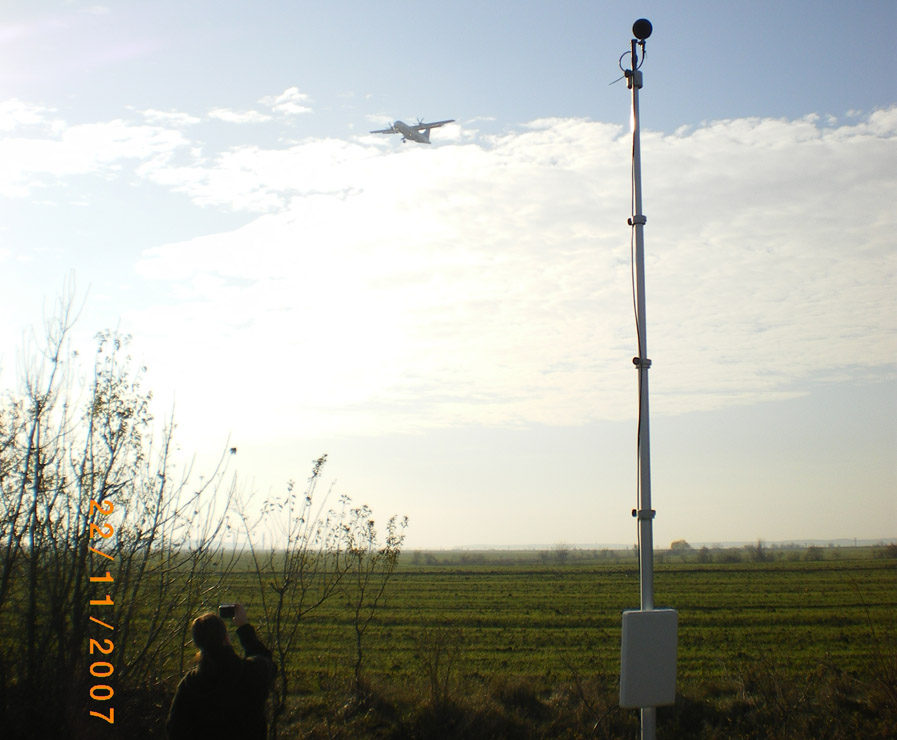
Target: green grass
(794, 647)
(789, 648)
(549, 621)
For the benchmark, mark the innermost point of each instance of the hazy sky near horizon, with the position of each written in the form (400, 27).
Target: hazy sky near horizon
(453, 324)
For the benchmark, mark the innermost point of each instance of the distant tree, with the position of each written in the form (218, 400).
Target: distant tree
(813, 553)
(561, 553)
(728, 555)
(757, 553)
(681, 548)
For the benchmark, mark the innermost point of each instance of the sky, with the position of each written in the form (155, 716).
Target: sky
(453, 324)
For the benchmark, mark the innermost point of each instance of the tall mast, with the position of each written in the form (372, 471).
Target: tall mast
(644, 513)
(649, 636)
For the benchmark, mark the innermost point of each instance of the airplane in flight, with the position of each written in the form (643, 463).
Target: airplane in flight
(419, 132)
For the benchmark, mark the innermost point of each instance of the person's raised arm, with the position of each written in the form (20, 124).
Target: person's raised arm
(248, 639)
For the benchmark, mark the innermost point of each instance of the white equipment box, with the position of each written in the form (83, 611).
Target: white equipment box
(648, 658)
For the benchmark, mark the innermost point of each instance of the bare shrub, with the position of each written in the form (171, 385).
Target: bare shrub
(371, 565)
(317, 552)
(438, 649)
(300, 572)
(92, 511)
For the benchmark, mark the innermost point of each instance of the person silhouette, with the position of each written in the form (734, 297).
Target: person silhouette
(223, 695)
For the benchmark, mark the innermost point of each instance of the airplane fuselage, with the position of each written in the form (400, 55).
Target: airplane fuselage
(408, 132)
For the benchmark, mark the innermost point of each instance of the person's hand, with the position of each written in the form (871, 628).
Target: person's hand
(240, 617)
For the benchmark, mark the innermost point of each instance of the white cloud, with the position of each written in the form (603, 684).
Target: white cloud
(171, 118)
(33, 161)
(16, 114)
(290, 102)
(252, 178)
(232, 116)
(490, 283)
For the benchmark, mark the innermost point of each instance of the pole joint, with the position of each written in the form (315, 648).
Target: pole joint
(637, 220)
(643, 514)
(641, 362)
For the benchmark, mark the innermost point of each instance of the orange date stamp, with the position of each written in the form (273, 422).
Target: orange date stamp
(100, 650)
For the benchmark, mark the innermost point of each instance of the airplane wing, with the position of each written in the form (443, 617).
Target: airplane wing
(435, 124)
(389, 130)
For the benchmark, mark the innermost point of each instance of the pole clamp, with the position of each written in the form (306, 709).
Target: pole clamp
(643, 514)
(639, 362)
(639, 220)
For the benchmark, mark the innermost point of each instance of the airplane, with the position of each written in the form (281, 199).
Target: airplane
(413, 132)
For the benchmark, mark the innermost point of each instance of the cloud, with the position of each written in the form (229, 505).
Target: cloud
(487, 279)
(784, 278)
(35, 160)
(232, 116)
(489, 282)
(16, 114)
(290, 102)
(255, 179)
(170, 118)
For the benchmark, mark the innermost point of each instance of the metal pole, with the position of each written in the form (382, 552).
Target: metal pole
(644, 513)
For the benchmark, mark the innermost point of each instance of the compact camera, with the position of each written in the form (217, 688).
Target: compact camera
(226, 611)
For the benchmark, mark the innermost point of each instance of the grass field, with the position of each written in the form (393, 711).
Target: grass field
(755, 641)
(797, 644)
(545, 621)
